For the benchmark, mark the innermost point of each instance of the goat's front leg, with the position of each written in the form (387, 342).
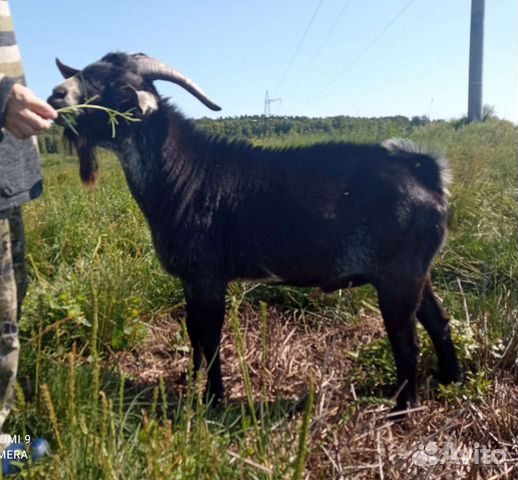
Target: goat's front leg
(205, 315)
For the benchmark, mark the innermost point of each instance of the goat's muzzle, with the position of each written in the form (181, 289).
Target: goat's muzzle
(57, 101)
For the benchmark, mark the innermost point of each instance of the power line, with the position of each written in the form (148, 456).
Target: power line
(315, 13)
(312, 61)
(362, 52)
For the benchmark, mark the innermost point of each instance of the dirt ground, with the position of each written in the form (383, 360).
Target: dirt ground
(348, 439)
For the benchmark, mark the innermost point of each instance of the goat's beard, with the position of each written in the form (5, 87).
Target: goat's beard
(88, 167)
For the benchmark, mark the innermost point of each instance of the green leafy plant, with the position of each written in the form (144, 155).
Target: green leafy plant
(67, 114)
(475, 388)
(374, 371)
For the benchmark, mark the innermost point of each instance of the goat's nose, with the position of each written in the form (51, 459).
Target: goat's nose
(59, 92)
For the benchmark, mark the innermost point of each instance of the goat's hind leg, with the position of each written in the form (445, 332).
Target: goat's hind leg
(399, 300)
(435, 321)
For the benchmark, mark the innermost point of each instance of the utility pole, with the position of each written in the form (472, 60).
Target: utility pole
(476, 44)
(267, 102)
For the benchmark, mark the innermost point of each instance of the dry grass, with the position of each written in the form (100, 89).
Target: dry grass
(350, 437)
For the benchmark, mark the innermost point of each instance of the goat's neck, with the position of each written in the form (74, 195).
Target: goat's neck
(165, 169)
(139, 173)
(184, 173)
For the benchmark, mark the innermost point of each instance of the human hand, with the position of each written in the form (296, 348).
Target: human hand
(26, 114)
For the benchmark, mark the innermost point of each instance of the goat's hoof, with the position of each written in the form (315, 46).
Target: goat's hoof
(445, 378)
(187, 378)
(184, 378)
(299, 405)
(400, 411)
(213, 399)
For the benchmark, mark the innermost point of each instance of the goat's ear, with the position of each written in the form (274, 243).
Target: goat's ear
(65, 70)
(146, 102)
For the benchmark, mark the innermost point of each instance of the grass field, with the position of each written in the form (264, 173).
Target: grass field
(309, 376)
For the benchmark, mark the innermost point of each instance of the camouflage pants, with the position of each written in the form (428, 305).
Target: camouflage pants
(13, 287)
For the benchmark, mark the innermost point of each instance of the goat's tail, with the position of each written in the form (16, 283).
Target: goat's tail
(431, 169)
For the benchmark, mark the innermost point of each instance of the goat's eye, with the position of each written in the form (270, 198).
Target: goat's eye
(95, 84)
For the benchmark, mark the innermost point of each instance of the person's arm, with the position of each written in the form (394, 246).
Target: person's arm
(6, 85)
(21, 112)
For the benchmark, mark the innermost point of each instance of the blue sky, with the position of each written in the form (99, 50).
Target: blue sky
(237, 49)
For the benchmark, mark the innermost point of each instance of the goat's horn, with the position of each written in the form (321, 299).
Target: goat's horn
(65, 70)
(154, 70)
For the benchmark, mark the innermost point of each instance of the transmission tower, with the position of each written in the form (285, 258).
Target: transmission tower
(267, 114)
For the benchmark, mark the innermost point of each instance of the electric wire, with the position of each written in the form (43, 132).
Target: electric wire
(288, 68)
(322, 45)
(362, 52)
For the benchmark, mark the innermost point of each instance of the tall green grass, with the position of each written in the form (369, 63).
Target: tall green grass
(96, 283)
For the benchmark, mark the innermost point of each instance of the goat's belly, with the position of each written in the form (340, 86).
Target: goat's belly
(258, 275)
(326, 281)
(350, 281)
(340, 266)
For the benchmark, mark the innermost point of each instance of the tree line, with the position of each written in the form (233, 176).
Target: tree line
(258, 127)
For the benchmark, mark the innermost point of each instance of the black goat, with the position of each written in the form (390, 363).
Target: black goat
(332, 215)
